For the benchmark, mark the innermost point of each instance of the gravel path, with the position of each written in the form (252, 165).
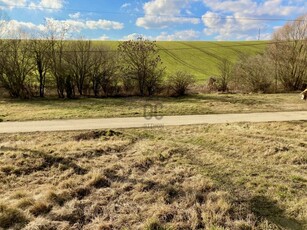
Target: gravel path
(141, 122)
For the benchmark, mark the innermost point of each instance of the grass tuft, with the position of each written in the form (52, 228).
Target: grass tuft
(11, 217)
(25, 202)
(92, 135)
(40, 208)
(58, 198)
(154, 225)
(99, 181)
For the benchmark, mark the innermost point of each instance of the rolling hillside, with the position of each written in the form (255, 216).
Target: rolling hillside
(200, 57)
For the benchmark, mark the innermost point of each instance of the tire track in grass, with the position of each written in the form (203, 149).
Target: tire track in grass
(236, 50)
(211, 54)
(179, 60)
(219, 45)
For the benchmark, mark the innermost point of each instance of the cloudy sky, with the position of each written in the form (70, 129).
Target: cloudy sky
(154, 19)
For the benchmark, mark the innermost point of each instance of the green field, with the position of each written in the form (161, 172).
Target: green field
(200, 57)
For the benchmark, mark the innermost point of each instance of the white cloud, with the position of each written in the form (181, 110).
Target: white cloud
(49, 5)
(103, 38)
(13, 3)
(256, 8)
(75, 15)
(185, 35)
(162, 13)
(125, 5)
(103, 24)
(212, 21)
(12, 27)
(52, 4)
(241, 19)
(79, 25)
(133, 37)
(230, 27)
(162, 22)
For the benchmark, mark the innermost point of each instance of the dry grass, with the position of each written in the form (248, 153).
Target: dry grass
(42, 109)
(238, 176)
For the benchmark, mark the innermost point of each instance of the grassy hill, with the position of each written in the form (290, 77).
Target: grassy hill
(200, 57)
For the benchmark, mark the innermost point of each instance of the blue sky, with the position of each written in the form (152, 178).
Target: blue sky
(154, 19)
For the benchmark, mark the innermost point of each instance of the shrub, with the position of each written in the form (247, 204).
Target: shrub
(225, 73)
(180, 82)
(140, 66)
(288, 52)
(254, 74)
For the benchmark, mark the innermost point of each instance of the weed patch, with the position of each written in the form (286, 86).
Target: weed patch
(92, 135)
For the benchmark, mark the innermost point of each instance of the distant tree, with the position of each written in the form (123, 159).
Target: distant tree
(140, 65)
(41, 52)
(16, 65)
(289, 53)
(254, 73)
(104, 71)
(79, 58)
(180, 82)
(225, 71)
(58, 67)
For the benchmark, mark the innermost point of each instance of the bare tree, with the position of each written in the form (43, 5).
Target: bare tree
(79, 58)
(104, 71)
(225, 72)
(16, 65)
(41, 52)
(141, 65)
(58, 66)
(289, 53)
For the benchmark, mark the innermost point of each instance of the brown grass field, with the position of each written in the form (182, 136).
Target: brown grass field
(43, 109)
(230, 176)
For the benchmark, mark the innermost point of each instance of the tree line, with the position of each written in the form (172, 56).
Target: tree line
(281, 67)
(30, 67)
(36, 67)
(78, 68)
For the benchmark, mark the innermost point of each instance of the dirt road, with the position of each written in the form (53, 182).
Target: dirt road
(141, 122)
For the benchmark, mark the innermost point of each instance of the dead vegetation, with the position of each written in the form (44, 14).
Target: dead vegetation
(43, 109)
(96, 134)
(167, 178)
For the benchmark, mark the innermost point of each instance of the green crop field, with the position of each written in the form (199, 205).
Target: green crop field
(199, 58)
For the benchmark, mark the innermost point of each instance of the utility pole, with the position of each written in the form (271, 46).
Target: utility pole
(259, 33)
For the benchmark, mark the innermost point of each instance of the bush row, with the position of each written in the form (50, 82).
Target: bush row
(79, 68)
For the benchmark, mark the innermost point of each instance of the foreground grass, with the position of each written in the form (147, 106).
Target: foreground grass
(238, 176)
(44, 109)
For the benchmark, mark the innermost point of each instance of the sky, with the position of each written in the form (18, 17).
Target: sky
(166, 20)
